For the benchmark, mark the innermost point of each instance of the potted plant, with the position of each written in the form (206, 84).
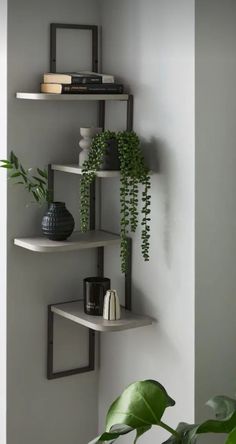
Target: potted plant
(142, 406)
(133, 173)
(57, 224)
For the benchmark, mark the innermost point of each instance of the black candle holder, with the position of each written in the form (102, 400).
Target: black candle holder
(95, 289)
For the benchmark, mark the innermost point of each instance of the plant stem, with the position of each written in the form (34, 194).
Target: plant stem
(170, 430)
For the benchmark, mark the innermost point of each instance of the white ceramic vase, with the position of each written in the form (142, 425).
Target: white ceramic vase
(87, 135)
(111, 307)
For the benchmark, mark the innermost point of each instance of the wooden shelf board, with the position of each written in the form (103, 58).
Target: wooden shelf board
(74, 311)
(78, 241)
(71, 97)
(75, 169)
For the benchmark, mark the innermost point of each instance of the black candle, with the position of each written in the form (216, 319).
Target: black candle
(95, 289)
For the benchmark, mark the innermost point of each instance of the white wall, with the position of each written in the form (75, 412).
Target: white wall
(215, 200)
(3, 219)
(41, 411)
(150, 46)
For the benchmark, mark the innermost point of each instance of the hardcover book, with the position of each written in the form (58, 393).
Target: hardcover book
(71, 78)
(57, 88)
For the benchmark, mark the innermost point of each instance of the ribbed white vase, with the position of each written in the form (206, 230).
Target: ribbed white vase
(111, 307)
(87, 135)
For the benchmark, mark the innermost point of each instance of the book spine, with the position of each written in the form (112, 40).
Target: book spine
(85, 80)
(92, 89)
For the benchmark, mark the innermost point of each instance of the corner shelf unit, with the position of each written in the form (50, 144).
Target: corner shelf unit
(96, 238)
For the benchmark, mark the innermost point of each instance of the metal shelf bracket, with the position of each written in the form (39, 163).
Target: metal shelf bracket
(50, 344)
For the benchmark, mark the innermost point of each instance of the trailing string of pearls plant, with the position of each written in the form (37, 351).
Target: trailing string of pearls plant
(133, 172)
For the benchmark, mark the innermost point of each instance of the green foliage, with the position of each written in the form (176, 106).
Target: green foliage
(35, 184)
(232, 437)
(143, 404)
(133, 173)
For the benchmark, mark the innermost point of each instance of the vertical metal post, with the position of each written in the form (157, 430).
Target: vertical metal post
(100, 261)
(91, 365)
(92, 207)
(50, 344)
(100, 251)
(130, 113)
(50, 184)
(128, 277)
(101, 114)
(74, 371)
(95, 49)
(128, 274)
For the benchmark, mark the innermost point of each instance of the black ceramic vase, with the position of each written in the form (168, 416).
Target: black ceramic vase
(57, 224)
(111, 159)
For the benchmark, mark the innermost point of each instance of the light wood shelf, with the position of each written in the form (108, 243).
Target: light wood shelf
(75, 169)
(74, 311)
(72, 97)
(78, 241)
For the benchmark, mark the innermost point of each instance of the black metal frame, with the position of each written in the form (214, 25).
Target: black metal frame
(100, 251)
(50, 345)
(53, 43)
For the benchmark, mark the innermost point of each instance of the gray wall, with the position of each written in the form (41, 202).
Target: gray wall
(215, 200)
(40, 411)
(3, 219)
(150, 46)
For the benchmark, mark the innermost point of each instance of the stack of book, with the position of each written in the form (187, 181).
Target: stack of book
(80, 83)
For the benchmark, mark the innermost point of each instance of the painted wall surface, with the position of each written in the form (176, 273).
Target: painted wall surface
(41, 411)
(150, 47)
(215, 200)
(3, 219)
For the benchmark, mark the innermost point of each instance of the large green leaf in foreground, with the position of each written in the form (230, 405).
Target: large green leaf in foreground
(139, 407)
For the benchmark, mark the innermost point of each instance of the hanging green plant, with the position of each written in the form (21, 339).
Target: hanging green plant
(133, 173)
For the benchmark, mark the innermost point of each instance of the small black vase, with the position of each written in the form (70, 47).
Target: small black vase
(95, 289)
(111, 159)
(57, 224)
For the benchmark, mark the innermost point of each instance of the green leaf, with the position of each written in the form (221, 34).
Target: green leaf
(112, 436)
(225, 411)
(23, 170)
(7, 165)
(43, 173)
(17, 174)
(186, 432)
(231, 438)
(39, 180)
(142, 404)
(139, 407)
(223, 406)
(14, 160)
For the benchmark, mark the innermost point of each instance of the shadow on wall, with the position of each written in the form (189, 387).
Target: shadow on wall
(156, 154)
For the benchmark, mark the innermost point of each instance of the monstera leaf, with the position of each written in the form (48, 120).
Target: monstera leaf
(139, 407)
